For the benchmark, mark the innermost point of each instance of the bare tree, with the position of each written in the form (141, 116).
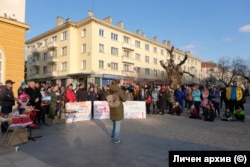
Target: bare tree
(229, 69)
(174, 71)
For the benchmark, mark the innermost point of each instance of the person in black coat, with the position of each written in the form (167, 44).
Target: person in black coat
(162, 99)
(7, 101)
(35, 99)
(81, 94)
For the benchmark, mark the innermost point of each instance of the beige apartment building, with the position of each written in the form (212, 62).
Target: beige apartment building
(96, 51)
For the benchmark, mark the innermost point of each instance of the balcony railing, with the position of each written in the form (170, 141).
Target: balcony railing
(128, 60)
(52, 59)
(127, 46)
(129, 73)
(35, 50)
(36, 63)
(52, 73)
(51, 45)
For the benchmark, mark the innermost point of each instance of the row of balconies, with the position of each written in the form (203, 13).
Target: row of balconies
(49, 46)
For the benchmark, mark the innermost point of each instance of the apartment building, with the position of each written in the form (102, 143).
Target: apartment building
(96, 51)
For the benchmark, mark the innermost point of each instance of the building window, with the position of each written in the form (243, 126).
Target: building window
(156, 72)
(114, 36)
(36, 58)
(126, 39)
(45, 69)
(114, 66)
(162, 52)
(54, 53)
(45, 56)
(64, 50)
(147, 47)
(155, 61)
(155, 49)
(64, 35)
(137, 57)
(45, 42)
(84, 65)
(38, 44)
(101, 48)
(52, 68)
(101, 32)
(146, 71)
(126, 54)
(138, 69)
(126, 67)
(84, 32)
(84, 48)
(147, 59)
(101, 64)
(37, 70)
(162, 73)
(64, 66)
(54, 38)
(114, 51)
(137, 44)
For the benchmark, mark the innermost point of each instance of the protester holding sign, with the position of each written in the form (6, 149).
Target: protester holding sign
(117, 114)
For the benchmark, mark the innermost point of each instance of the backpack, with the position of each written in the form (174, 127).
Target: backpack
(113, 100)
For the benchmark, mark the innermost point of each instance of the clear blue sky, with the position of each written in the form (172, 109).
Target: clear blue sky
(210, 29)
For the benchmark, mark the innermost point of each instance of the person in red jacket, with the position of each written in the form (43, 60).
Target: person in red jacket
(70, 95)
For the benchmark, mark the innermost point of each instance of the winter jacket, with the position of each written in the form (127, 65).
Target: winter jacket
(6, 96)
(238, 95)
(117, 114)
(81, 95)
(70, 96)
(196, 95)
(34, 93)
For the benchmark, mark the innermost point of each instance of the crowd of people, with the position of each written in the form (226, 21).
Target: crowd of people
(199, 100)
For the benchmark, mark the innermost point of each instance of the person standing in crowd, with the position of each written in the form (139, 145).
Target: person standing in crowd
(215, 97)
(20, 94)
(170, 99)
(179, 97)
(142, 94)
(128, 95)
(148, 100)
(243, 99)
(117, 114)
(54, 107)
(21, 89)
(204, 97)
(46, 100)
(222, 96)
(196, 95)
(162, 99)
(81, 94)
(92, 96)
(69, 96)
(155, 100)
(188, 97)
(105, 93)
(35, 99)
(7, 101)
(136, 92)
(234, 95)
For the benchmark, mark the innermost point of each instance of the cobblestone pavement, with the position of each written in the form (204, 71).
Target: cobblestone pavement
(145, 142)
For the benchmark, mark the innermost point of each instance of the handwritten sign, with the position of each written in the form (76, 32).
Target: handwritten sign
(101, 110)
(134, 110)
(83, 111)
